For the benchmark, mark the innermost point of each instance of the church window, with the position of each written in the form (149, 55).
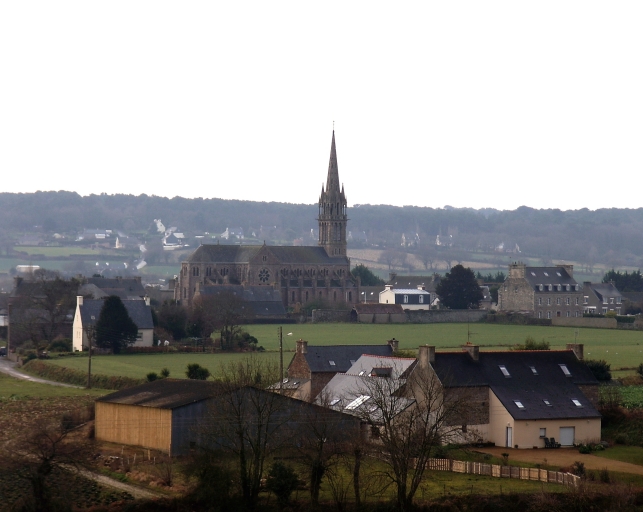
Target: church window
(264, 275)
(334, 296)
(264, 258)
(350, 296)
(306, 295)
(284, 272)
(293, 296)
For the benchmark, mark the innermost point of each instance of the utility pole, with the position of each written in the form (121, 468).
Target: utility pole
(281, 361)
(90, 330)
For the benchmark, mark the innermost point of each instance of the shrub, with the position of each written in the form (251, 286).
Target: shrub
(60, 345)
(600, 369)
(79, 378)
(152, 376)
(282, 481)
(604, 476)
(165, 373)
(532, 344)
(639, 369)
(578, 468)
(197, 372)
(585, 449)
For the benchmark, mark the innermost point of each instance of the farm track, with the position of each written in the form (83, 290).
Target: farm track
(137, 492)
(9, 368)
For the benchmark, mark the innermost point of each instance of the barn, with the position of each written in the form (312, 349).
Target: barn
(161, 415)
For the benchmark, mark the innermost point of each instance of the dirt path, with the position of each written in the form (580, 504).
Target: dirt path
(137, 492)
(9, 368)
(562, 457)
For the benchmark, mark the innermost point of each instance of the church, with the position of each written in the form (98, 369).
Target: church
(300, 274)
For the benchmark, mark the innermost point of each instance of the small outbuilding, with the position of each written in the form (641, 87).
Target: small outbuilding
(161, 415)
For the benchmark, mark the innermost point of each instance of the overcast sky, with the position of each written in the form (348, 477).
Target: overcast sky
(468, 104)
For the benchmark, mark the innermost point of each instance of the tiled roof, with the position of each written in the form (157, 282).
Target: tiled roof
(139, 312)
(164, 393)
(343, 356)
(547, 381)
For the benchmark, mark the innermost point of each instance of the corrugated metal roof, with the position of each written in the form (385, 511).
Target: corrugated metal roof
(164, 393)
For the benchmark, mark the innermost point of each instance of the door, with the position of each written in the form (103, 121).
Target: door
(510, 439)
(566, 436)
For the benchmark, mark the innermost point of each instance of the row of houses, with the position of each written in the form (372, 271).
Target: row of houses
(519, 399)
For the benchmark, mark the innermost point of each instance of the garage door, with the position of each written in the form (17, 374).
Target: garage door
(566, 436)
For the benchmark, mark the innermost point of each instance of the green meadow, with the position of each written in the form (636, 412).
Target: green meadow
(622, 349)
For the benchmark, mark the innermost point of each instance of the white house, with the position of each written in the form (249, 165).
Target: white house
(88, 311)
(409, 298)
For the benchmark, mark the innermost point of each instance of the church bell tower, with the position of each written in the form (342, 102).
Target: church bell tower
(332, 210)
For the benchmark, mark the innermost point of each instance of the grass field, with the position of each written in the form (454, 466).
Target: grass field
(631, 454)
(622, 349)
(64, 251)
(19, 389)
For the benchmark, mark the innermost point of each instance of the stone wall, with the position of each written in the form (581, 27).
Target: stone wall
(597, 323)
(446, 316)
(330, 315)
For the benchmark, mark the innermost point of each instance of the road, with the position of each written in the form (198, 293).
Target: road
(9, 368)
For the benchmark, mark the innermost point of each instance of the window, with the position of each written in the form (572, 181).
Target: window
(540, 301)
(549, 287)
(586, 299)
(577, 301)
(533, 370)
(567, 287)
(604, 310)
(549, 301)
(568, 301)
(611, 300)
(558, 300)
(546, 274)
(406, 299)
(540, 314)
(334, 401)
(540, 287)
(558, 287)
(332, 363)
(548, 314)
(618, 300)
(543, 432)
(533, 273)
(352, 361)
(547, 403)
(567, 313)
(357, 402)
(577, 403)
(421, 299)
(565, 370)
(519, 404)
(504, 370)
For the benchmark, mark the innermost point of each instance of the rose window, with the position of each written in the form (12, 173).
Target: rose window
(264, 275)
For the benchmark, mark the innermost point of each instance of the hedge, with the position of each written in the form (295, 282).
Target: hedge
(78, 378)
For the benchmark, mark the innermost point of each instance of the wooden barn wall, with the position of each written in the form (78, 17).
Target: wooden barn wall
(134, 425)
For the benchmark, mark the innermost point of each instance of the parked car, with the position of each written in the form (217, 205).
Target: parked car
(3, 351)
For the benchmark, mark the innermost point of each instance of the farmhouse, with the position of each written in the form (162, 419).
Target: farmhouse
(88, 312)
(525, 396)
(312, 367)
(409, 298)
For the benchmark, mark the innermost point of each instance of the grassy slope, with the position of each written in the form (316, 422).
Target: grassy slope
(17, 389)
(620, 348)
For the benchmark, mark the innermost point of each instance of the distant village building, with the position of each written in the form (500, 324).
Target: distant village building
(301, 274)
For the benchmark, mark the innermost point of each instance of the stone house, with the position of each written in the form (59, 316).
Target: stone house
(543, 292)
(599, 298)
(312, 367)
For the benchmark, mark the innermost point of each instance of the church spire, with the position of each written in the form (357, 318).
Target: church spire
(332, 210)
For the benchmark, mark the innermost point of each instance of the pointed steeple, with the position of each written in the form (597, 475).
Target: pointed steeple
(332, 181)
(332, 210)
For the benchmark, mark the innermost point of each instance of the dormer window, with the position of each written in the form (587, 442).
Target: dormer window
(540, 287)
(549, 287)
(567, 287)
(533, 370)
(519, 404)
(576, 403)
(565, 370)
(504, 370)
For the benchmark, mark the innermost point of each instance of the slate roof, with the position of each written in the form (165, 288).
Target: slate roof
(549, 383)
(122, 287)
(603, 290)
(548, 275)
(309, 255)
(429, 282)
(164, 393)
(367, 363)
(262, 300)
(138, 311)
(344, 356)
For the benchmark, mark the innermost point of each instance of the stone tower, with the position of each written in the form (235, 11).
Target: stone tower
(332, 210)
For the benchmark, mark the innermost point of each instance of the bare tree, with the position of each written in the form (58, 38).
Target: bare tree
(223, 312)
(248, 422)
(411, 422)
(427, 255)
(46, 447)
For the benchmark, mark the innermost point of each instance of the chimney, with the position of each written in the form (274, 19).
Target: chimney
(147, 300)
(421, 287)
(302, 347)
(426, 355)
(394, 344)
(473, 350)
(569, 269)
(79, 300)
(577, 348)
(392, 275)
(388, 287)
